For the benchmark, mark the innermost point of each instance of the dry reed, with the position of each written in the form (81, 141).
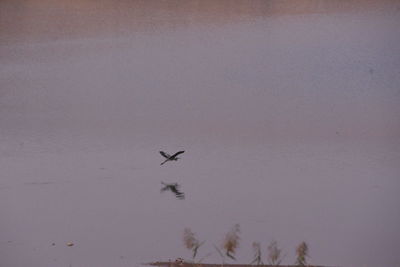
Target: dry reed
(257, 259)
(231, 242)
(302, 253)
(191, 242)
(274, 254)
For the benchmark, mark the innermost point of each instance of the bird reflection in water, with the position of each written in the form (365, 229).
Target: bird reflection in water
(174, 188)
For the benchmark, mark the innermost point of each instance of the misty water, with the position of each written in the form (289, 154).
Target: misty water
(288, 112)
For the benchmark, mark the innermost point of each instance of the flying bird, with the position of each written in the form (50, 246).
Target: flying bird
(174, 188)
(169, 157)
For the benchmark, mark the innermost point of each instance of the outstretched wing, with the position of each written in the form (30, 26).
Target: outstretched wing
(177, 153)
(175, 189)
(180, 196)
(165, 187)
(165, 155)
(164, 161)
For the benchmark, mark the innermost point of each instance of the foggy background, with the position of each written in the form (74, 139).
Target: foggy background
(288, 112)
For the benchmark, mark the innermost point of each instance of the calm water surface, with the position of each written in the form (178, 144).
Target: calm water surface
(288, 112)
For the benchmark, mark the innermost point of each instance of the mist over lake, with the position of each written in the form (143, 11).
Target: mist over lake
(288, 113)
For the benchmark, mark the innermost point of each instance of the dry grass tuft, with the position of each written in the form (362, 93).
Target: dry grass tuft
(191, 242)
(189, 238)
(302, 253)
(257, 259)
(274, 254)
(231, 242)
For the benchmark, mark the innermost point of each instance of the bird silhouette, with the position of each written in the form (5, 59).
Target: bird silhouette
(169, 157)
(174, 188)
